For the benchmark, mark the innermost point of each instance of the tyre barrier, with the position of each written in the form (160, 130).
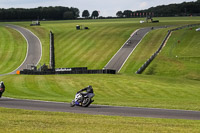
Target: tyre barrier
(80, 70)
(146, 64)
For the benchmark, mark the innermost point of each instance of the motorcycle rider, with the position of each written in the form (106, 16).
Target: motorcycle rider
(2, 88)
(87, 91)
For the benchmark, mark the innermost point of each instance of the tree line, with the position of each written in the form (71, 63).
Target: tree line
(45, 13)
(183, 9)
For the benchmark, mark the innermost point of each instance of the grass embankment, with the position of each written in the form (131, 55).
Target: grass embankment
(120, 90)
(180, 57)
(150, 43)
(13, 120)
(126, 89)
(91, 48)
(13, 49)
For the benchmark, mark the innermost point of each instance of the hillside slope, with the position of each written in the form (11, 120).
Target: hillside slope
(180, 57)
(13, 49)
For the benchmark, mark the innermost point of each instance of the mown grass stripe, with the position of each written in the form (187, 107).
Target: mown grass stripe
(13, 50)
(82, 49)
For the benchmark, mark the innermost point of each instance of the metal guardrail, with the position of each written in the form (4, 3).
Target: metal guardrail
(146, 64)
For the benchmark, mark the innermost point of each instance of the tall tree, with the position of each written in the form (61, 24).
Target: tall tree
(119, 14)
(85, 14)
(95, 14)
(68, 15)
(128, 13)
(52, 13)
(75, 11)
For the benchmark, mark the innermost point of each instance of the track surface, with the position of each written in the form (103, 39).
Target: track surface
(34, 49)
(118, 60)
(33, 57)
(98, 109)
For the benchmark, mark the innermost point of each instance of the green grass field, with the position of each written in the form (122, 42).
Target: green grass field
(13, 49)
(180, 57)
(93, 48)
(120, 90)
(82, 48)
(104, 42)
(23, 121)
(144, 50)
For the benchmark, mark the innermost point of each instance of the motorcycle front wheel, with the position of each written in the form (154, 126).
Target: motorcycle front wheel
(72, 104)
(86, 102)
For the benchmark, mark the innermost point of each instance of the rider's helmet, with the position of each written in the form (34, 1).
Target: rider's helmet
(90, 86)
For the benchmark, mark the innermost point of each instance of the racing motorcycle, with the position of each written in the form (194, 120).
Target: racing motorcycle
(82, 99)
(2, 88)
(1, 91)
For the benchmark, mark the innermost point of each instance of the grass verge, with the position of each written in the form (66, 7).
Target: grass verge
(23, 121)
(119, 90)
(180, 57)
(12, 49)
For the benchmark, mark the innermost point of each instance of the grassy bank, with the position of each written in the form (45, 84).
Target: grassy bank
(13, 120)
(13, 49)
(180, 57)
(144, 50)
(94, 47)
(120, 90)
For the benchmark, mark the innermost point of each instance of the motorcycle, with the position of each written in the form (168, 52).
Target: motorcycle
(1, 91)
(82, 99)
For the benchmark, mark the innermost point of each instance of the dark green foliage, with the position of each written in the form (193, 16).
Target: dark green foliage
(127, 13)
(182, 9)
(53, 13)
(85, 14)
(68, 15)
(119, 14)
(95, 14)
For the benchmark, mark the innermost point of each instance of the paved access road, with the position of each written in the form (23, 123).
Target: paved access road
(34, 48)
(118, 60)
(99, 110)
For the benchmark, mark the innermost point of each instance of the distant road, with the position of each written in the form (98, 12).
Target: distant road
(34, 47)
(119, 59)
(99, 109)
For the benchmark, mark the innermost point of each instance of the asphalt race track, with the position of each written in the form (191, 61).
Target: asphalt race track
(34, 48)
(118, 60)
(99, 110)
(33, 57)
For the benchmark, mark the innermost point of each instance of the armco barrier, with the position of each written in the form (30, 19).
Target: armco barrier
(146, 64)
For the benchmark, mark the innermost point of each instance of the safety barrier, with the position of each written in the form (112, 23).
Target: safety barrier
(78, 70)
(146, 64)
